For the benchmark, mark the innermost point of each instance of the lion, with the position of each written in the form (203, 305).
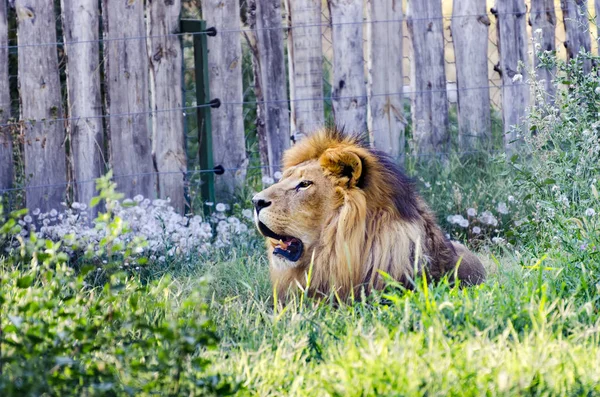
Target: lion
(348, 213)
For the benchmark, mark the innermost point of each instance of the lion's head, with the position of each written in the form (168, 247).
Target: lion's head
(354, 210)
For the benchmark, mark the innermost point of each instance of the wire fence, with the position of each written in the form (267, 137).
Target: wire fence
(248, 101)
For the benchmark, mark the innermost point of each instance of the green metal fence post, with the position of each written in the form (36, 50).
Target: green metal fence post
(205, 155)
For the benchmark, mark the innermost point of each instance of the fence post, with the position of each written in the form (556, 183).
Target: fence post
(271, 63)
(225, 79)
(6, 152)
(542, 20)
(165, 58)
(126, 71)
(428, 77)
(470, 36)
(575, 17)
(81, 24)
(386, 120)
(41, 105)
(512, 46)
(205, 146)
(305, 62)
(348, 91)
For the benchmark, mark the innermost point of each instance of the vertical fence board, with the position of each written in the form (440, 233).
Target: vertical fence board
(512, 46)
(40, 93)
(349, 91)
(81, 26)
(575, 17)
(166, 60)
(305, 55)
(261, 116)
(542, 19)
(269, 35)
(126, 70)
(428, 77)
(6, 152)
(386, 121)
(225, 76)
(470, 36)
(597, 9)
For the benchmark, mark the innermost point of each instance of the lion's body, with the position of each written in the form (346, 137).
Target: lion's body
(360, 215)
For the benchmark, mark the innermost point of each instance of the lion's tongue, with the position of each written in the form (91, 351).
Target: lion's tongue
(290, 248)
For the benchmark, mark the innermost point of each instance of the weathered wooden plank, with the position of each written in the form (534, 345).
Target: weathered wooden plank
(386, 121)
(512, 46)
(349, 91)
(225, 67)
(81, 27)
(126, 69)
(41, 105)
(165, 55)
(597, 9)
(577, 29)
(6, 150)
(260, 122)
(269, 41)
(470, 36)
(428, 77)
(542, 20)
(305, 62)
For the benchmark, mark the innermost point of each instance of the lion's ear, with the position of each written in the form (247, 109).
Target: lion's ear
(344, 164)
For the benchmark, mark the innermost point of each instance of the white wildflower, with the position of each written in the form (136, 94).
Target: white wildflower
(36, 212)
(76, 205)
(497, 240)
(597, 90)
(138, 199)
(502, 208)
(220, 207)
(476, 230)
(511, 199)
(463, 223)
(564, 200)
(517, 78)
(427, 185)
(488, 218)
(555, 188)
(277, 175)
(27, 219)
(53, 213)
(590, 212)
(247, 213)
(267, 180)
(472, 212)
(241, 228)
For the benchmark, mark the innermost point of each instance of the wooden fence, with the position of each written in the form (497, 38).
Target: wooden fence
(104, 88)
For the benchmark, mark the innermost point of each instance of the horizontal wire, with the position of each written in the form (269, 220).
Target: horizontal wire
(202, 171)
(253, 102)
(287, 27)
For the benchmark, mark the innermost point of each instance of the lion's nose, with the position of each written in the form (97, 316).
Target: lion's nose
(260, 203)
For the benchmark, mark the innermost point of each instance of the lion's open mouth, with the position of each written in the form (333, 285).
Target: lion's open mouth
(289, 247)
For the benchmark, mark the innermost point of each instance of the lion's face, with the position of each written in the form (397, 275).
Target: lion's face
(292, 212)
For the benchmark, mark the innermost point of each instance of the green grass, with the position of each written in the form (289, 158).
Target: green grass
(516, 334)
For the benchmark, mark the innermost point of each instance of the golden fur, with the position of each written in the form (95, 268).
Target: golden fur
(359, 215)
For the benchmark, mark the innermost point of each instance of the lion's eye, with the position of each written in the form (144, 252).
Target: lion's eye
(303, 185)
